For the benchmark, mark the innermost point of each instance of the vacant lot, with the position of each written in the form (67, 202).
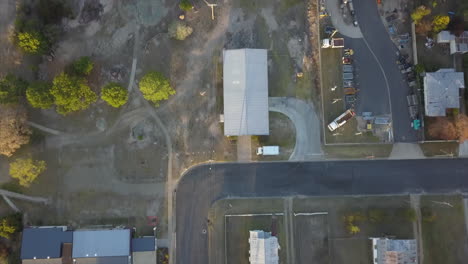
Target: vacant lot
(311, 238)
(237, 235)
(444, 230)
(347, 248)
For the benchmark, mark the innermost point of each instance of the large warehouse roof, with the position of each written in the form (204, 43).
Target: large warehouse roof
(245, 78)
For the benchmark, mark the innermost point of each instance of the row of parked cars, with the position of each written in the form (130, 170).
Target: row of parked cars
(349, 85)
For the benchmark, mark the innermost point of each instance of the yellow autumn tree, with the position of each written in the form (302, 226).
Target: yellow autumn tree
(419, 13)
(440, 23)
(26, 170)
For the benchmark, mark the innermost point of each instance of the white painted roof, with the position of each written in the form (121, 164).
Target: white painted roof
(441, 91)
(263, 248)
(245, 81)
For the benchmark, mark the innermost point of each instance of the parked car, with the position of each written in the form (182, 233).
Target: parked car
(348, 52)
(348, 83)
(348, 75)
(348, 68)
(347, 60)
(350, 90)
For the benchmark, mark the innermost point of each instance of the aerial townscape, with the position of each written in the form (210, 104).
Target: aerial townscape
(233, 131)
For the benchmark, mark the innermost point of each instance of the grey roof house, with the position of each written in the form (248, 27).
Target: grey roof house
(394, 251)
(245, 85)
(442, 91)
(458, 44)
(57, 245)
(101, 246)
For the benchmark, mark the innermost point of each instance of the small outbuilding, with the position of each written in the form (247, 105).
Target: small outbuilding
(245, 86)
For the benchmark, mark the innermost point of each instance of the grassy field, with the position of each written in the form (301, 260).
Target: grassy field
(311, 236)
(434, 149)
(444, 238)
(358, 151)
(237, 235)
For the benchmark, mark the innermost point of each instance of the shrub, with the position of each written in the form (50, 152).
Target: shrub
(14, 131)
(179, 30)
(83, 66)
(419, 13)
(12, 89)
(26, 170)
(155, 87)
(185, 5)
(71, 93)
(114, 94)
(440, 23)
(39, 96)
(31, 42)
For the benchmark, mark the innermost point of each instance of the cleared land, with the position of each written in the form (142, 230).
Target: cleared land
(444, 230)
(311, 235)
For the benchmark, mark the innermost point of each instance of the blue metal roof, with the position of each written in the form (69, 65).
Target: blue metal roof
(143, 244)
(101, 243)
(45, 242)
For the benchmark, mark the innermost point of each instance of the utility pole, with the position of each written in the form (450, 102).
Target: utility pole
(212, 9)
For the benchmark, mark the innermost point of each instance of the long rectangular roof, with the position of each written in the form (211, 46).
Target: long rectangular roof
(441, 91)
(44, 242)
(245, 81)
(101, 243)
(263, 248)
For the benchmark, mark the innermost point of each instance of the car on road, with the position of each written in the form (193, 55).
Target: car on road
(347, 60)
(350, 90)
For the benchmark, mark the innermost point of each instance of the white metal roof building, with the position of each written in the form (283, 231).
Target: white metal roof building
(394, 251)
(263, 248)
(442, 91)
(458, 44)
(245, 82)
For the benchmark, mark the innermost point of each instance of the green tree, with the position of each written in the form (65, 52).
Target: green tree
(185, 5)
(440, 23)
(26, 170)
(114, 94)
(32, 42)
(419, 13)
(83, 66)
(39, 96)
(428, 215)
(12, 89)
(179, 30)
(71, 94)
(155, 87)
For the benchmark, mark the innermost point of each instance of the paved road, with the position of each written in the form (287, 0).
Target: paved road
(380, 43)
(373, 96)
(306, 122)
(203, 185)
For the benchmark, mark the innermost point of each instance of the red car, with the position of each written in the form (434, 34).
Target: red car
(347, 60)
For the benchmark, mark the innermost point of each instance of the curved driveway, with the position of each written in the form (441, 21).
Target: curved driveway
(378, 40)
(203, 185)
(306, 123)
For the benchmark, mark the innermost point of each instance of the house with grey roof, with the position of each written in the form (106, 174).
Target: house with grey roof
(58, 245)
(394, 251)
(245, 86)
(458, 44)
(442, 91)
(263, 248)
